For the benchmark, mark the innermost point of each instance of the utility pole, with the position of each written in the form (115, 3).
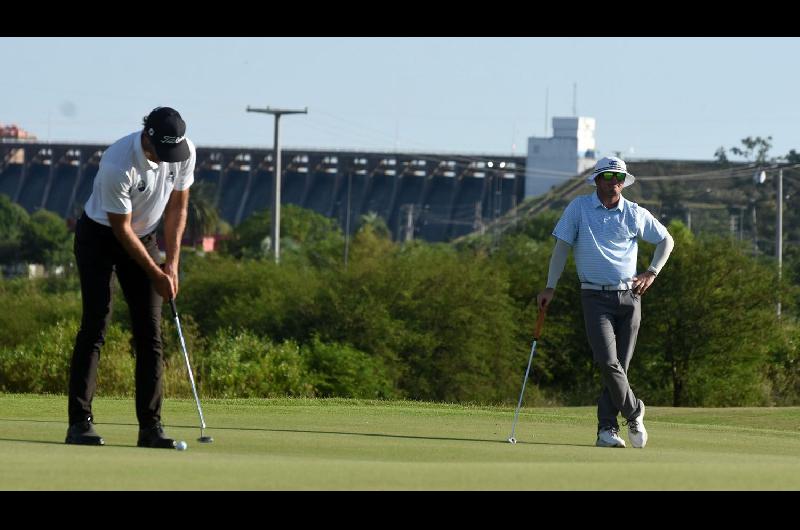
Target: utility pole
(347, 219)
(759, 178)
(409, 235)
(276, 208)
(546, 96)
(779, 235)
(477, 224)
(575, 99)
(741, 224)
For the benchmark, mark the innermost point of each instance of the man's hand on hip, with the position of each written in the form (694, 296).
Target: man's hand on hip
(643, 281)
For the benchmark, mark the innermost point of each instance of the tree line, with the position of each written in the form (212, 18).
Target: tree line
(417, 320)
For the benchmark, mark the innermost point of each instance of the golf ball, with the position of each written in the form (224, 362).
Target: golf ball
(181, 446)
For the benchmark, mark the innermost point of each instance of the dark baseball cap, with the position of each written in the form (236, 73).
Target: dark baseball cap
(166, 129)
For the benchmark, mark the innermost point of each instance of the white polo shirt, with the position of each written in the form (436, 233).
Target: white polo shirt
(127, 182)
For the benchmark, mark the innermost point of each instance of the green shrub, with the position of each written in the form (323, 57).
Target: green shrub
(244, 365)
(783, 371)
(425, 321)
(337, 370)
(27, 309)
(176, 378)
(41, 364)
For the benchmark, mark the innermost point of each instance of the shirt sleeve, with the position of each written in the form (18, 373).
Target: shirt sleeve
(567, 227)
(650, 228)
(557, 262)
(662, 252)
(115, 189)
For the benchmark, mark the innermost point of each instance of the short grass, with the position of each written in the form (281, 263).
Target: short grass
(338, 444)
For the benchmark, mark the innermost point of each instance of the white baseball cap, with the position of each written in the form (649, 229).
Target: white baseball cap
(611, 163)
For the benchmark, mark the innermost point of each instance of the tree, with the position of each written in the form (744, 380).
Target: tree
(376, 224)
(563, 366)
(709, 318)
(203, 218)
(46, 239)
(539, 227)
(758, 147)
(305, 234)
(13, 219)
(793, 157)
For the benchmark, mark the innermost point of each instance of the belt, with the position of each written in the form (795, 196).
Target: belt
(621, 286)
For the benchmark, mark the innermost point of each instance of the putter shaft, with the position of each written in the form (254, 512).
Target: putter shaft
(537, 334)
(188, 366)
(522, 393)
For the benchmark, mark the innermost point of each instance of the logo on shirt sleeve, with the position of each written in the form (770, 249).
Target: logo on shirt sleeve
(171, 177)
(141, 185)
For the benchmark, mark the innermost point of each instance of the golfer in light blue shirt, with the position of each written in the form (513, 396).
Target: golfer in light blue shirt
(603, 229)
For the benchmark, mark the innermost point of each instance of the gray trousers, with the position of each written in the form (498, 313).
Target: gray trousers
(612, 324)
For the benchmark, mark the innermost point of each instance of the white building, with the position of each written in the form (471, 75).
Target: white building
(551, 161)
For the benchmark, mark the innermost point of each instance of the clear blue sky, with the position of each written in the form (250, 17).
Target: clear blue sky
(677, 98)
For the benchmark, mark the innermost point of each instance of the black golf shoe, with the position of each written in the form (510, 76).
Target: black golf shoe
(83, 433)
(154, 437)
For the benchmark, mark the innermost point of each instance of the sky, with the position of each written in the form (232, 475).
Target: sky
(660, 97)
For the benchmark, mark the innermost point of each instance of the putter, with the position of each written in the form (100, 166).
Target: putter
(202, 439)
(539, 322)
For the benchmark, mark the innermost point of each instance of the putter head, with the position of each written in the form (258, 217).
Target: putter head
(205, 439)
(512, 440)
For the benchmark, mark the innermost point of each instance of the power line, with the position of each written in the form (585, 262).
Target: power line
(709, 175)
(715, 174)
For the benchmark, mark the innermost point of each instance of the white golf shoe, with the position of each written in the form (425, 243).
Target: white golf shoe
(609, 438)
(637, 434)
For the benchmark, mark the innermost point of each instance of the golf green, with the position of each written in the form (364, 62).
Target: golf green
(339, 444)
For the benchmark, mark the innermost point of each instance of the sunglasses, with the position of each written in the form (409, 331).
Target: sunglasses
(608, 175)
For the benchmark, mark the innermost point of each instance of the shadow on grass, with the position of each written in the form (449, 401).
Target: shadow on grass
(49, 442)
(302, 431)
(31, 441)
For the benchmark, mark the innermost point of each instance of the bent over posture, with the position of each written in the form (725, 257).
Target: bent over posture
(141, 176)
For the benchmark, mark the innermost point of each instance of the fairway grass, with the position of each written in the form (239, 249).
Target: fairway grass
(339, 444)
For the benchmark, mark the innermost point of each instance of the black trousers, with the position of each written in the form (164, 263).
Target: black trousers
(99, 254)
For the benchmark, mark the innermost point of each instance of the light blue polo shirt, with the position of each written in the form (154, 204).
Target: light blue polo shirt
(604, 241)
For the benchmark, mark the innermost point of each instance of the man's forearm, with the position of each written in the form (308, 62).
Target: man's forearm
(557, 262)
(174, 225)
(661, 254)
(134, 247)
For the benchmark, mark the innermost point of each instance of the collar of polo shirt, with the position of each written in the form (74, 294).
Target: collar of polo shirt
(597, 203)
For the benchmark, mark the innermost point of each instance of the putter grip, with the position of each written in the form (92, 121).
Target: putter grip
(174, 310)
(539, 322)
